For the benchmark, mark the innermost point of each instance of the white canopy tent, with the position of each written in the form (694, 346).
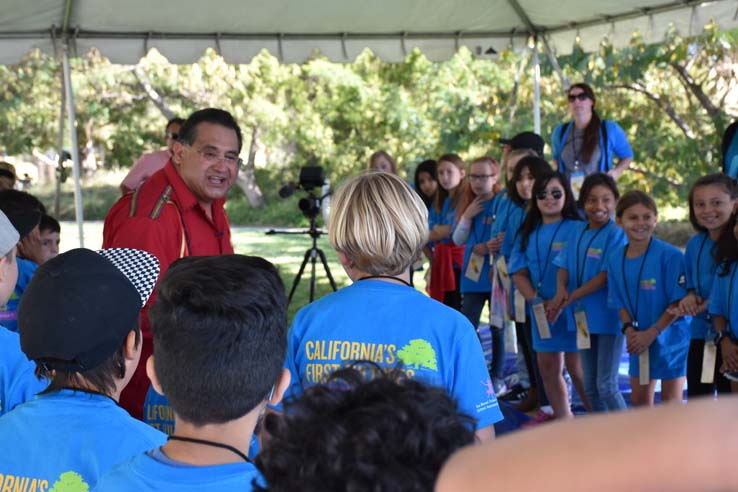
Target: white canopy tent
(292, 30)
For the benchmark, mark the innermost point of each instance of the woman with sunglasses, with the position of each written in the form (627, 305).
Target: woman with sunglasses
(550, 222)
(587, 144)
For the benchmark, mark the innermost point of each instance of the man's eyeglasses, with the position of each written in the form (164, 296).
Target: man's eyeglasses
(211, 158)
(173, 135)
(480, 177)
(555, 194)
(582, 96)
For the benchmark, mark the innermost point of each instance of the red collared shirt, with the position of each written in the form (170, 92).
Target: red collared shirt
(167, 225)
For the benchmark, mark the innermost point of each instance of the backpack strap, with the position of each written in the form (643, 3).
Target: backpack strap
(606, 150)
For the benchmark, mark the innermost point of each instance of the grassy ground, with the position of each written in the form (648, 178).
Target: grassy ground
(285, 251)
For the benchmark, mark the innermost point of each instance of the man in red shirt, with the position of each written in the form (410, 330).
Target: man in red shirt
(179, 211)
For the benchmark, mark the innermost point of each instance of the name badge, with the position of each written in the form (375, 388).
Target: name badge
(502, 271)
(580, 319)
(474, 268)
(576, 179)
(709, 360)
(539, 313)
(644, 377)
(519, 307)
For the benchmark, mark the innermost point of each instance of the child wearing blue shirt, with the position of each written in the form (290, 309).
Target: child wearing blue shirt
(74, 431)
(582, 284)
(474, 231)
(219, 325)
(547, 228)
(380, 317)
(645, 278)
(723, 304)
(713, 200)
(18, 383)
(448, 257)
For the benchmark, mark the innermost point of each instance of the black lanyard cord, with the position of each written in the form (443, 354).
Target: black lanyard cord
(485, 214)
(697, 272)
(214, 444)
(548, 253)
(580, 271)
(388, 277)
(634, 313)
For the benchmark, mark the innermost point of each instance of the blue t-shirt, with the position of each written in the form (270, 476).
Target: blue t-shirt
(661, 283)
(700, 269)
(446, 217)
(153, 471)
(724, 299)
(66, 440)
(515, 216)
(584, 257)
(159, 415)
(544, 244)
(481, 232)
(390, 324)
(617, 145)
(18, 383)
(9, 312)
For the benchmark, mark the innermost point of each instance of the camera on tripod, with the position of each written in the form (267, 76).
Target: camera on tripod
(311, 177)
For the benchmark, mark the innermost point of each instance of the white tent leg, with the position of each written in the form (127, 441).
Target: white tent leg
(73, 141)
(536, 89)
(58, 170)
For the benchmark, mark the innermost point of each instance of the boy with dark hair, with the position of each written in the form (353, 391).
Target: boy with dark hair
(49, 230)
(79, 323)
(18, 382)
(375, 434)
(220, 336)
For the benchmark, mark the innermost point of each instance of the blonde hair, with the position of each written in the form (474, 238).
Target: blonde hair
(378, 222)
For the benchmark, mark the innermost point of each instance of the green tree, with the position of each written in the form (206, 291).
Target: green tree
(418, 354)
(70, 482)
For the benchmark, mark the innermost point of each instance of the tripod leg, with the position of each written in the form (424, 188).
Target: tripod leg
(327, 270)
(313, 257)
(298, 276)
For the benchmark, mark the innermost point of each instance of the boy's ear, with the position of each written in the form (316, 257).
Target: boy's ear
(151, 373)
(280, 386)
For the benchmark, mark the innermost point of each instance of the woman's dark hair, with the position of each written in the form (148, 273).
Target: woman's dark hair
(533, 218)
(535, 165)
(592, 131)
(635, 197)
(442, 193)
(729, 186)
(596, 179)
(427, 166)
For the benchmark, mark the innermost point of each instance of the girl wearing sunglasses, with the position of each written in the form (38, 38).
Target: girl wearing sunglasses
(582, 284)
(587, 144)
(551, 221)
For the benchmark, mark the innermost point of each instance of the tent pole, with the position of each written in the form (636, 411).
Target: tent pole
(59, 165)
(73, 141)
(536, 88)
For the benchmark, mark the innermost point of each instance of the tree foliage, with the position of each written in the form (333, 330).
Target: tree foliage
(673, 99)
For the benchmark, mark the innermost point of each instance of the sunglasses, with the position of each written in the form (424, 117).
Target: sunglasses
(582, 96)
(555, 194)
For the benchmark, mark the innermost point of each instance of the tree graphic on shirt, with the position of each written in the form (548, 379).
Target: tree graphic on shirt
(70, 482)
(418, 353)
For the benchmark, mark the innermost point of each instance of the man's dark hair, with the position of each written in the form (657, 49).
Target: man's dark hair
(382, 433)
(101, 378)
(49, 223)
(20, 200)
(188, 131)
(176, 120)
(220, 335)
(537, 166)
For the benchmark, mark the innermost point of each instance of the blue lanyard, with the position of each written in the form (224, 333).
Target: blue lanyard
(484, 215)
(548, 253)
(580, 271)
(634, 313)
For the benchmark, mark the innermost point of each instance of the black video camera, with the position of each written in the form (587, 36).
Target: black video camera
(311, 177)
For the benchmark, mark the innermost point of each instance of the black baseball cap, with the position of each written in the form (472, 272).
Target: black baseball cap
(525, 140)
(80, 306)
